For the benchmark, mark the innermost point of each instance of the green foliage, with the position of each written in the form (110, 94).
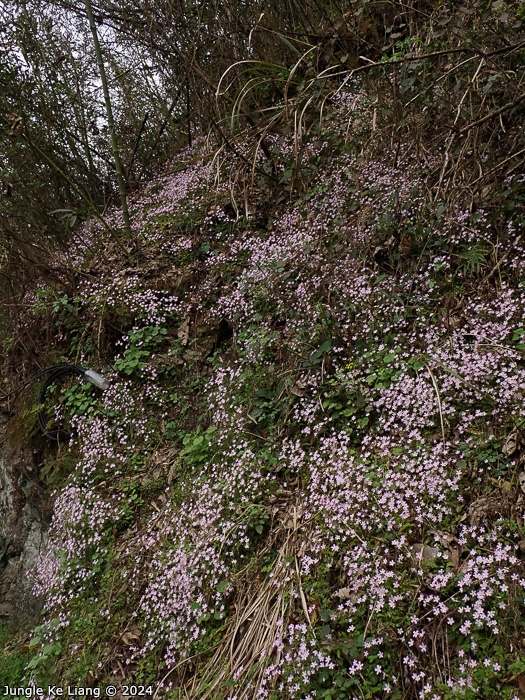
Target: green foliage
(257, 518)
(132, 490)
(474, 258)
(64, 310)
(42, 665)
(13, 657)
(142, 343)
(517, 338)
(57, 469)
(81, 399)
(197, 446)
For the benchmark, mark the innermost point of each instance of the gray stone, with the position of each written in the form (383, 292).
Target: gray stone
(23, 530)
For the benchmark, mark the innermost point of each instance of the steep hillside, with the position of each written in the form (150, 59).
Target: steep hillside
(306, 477)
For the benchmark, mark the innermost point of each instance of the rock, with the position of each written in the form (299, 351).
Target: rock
(23, 529)
(424, 553)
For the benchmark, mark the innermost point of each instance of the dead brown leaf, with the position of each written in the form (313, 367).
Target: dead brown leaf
(511, 444)
(479, 510)
(183, 332)
(343, 594)
(299, 389)
(454, 549)
(131, 636)
(505, 487)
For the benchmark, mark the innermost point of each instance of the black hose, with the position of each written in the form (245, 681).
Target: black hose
(15, 392)
(57, 371)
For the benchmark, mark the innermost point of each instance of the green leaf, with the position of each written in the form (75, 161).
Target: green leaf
(327, 345)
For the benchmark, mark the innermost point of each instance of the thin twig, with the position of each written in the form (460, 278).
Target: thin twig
(302, 596)
(146, 116)
(497, 167)
(434, 382)
(498, 264)
(492, 114)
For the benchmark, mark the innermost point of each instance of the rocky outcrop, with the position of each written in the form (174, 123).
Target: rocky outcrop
(22, 529)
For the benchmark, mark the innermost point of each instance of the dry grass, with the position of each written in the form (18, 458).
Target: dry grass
(261, 609)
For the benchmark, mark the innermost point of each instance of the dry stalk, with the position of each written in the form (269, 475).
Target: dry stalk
(436, 389)
(261, 610)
